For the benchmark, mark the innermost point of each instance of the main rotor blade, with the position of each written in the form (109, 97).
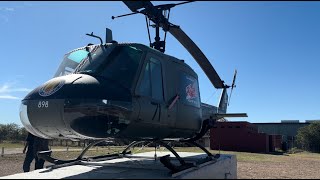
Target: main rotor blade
(135, 5)
(198, 55)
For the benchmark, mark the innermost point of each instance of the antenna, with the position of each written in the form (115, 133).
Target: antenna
(109, 38)
(92, 35)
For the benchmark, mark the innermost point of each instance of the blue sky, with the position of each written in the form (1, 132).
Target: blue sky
(275, 46)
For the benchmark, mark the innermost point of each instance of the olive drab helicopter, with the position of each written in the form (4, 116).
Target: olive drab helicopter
(127, 91)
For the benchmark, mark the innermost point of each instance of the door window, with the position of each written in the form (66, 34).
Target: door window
(145, 85)
(151, 83)
(156, 79)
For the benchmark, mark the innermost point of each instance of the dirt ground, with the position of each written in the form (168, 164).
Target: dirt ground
(268, 167)
(293, 168)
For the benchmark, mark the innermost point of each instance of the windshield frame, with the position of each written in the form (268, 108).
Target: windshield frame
(64, 66)
(100, 69)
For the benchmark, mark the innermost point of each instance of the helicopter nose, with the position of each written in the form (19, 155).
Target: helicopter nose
(77, 107)
(26, 122)
(41, 111)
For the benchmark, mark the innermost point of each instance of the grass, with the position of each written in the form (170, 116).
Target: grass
(305, 154)
(241, 156)
(11, 145)
(8, 145)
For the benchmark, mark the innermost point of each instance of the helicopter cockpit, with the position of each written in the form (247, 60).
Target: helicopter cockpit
(108, 70)
(116, 63)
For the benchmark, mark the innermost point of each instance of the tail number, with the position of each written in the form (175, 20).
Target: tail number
(43, 104)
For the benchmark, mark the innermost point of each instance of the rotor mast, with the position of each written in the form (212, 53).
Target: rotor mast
(159, 45)
(156, 15)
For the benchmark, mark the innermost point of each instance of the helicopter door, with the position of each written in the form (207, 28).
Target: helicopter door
(150, 90)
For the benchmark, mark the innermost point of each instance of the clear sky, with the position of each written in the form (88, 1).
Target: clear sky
(275, 46)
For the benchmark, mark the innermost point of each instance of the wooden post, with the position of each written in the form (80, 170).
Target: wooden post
(2, 152)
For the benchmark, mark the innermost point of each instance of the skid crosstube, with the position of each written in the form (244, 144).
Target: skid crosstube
(165, 160)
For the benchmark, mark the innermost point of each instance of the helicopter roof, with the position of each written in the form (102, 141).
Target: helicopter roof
(142, 46)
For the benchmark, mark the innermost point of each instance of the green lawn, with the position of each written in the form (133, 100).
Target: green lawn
(241, 156)
(11, 145)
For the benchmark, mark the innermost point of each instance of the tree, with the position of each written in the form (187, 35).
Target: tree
(308, 137)
(12, 132)
(3, 133)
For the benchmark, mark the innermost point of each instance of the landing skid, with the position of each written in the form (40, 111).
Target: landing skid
(165, 160)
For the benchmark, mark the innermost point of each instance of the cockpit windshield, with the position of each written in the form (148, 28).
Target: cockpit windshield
(118, 63)
(72, 59)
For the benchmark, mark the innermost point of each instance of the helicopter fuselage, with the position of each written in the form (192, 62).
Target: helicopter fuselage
(121, 90)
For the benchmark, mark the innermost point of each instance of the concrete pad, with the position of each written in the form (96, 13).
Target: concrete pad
(138, 166)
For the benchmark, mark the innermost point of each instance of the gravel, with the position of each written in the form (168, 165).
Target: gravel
(294, 168)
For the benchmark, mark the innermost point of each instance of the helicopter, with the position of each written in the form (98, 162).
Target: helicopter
(127, 91)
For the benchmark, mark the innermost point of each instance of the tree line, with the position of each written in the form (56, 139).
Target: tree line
(308, 137)
(16, 134)
(12, 132)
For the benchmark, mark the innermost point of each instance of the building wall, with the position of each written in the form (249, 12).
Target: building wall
(238, 136)
(254, 137)
(286, 129)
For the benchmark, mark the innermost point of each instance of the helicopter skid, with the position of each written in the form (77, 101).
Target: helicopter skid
(165, 160)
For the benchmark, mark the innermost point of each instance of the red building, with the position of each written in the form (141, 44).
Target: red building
(242, 136)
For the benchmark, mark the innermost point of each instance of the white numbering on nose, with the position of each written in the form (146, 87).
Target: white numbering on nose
(43, 104)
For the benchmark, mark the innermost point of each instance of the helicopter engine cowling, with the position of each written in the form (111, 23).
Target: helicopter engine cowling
(65, 108)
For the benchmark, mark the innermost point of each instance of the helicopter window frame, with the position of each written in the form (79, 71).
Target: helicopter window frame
(144, 86)
(110, 56)
(71, 62)
(117, 56)
(146, 79)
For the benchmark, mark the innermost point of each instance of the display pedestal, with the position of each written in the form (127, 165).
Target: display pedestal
(138, 166)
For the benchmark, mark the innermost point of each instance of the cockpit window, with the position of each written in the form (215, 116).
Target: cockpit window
(72, 59)
(118, 64)
(78, 56)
